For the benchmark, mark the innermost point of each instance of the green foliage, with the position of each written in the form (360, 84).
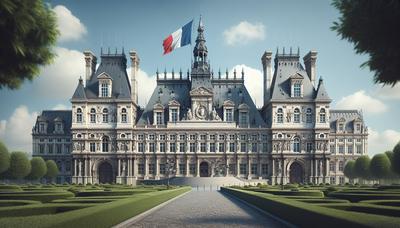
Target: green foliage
(361, 167)
(39, 168)
(380, 166)
(349, 169)
(396, 159)
(372, 27)
(389, 154)
(10, 188)
(28, 31)
(4, 158)
(20, 166)
(52, 169)
(42, 196)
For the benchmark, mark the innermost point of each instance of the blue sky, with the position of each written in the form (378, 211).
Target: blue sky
(254, 26)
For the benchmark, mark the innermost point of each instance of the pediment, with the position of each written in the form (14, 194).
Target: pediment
(173, 103)
(104, 75)
(243, 106)
(357, 119)
(297, 76)
(229, 103)
(342, 120)
(57, 119)
(158, 106)
(201, 91)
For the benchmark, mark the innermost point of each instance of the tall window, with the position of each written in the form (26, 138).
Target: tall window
(243, 118)
(181, 147)
(104, 90)
(79, 115)
(229, 114)
(105, 115)
(332, 166)
(341, 165)
(232, 147)
(159, 118)
(123, 115)
(92, 147)
(221, 147)
(296, 145)
(92, 115)
(309, 147)
(322, 116)
(359, 149)
(203, 147)
(212, 147)
(309, 115)
(296, 116)
(105, 143)
(162, 147)
(172, 147)
(280, 115)
(297, 90)
(174, 115)
(341, 127)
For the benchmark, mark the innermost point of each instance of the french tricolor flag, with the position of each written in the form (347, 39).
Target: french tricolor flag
(179, 38)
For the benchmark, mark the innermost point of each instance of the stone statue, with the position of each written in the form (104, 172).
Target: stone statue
(189, 114)
(214, 115)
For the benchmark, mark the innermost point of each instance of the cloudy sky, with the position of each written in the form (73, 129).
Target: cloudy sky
(237, 34)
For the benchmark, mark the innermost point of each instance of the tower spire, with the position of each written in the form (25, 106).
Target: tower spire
(200, 52)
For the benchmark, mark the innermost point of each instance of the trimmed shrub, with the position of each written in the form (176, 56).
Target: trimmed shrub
(39, 168)
(52, 169)
(380, 166)
(10, 188)
(359, 196)
(40, 209)
(4, 158)
(361, 167)
(20, 166)
(9, 203)
(396, 159)
(34, 195)
(311, 193)
(349, 170)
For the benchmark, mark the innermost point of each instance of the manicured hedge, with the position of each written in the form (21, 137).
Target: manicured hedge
(313, 193)
(105, 215)
(8, 203)
(41, 209)
(74, 200)
(368, 208)
(356, 197)
(10, 188)
(393, 203)
(323, 200)
(309, 215)
(39, 196)
(111, 193)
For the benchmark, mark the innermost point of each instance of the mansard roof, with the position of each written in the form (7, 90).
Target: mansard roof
(322, 94)
(79, 93)
(52, 116)
(346, 116)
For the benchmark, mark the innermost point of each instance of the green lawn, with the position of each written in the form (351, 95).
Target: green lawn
(349, 206)
(78, 206)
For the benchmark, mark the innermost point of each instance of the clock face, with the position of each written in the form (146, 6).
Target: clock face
(201, 112)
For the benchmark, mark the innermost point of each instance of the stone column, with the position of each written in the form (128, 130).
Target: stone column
(177, 166)
(311, 170)
(227, 167)
(248, 169)
(135, 168)
(197, 167)
(284, 171)
(237, 167)
(75, 168)
(80, 172)
(187, 166)
(146, 168)
(157, 168)
(315, 171)
(90, 172)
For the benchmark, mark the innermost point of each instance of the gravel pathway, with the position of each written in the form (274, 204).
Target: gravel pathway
(207, 209)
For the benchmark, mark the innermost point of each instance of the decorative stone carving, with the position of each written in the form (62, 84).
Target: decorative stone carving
(189, 114)
(201, 112)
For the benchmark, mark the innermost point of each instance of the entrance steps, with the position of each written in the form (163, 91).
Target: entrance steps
(205, 181)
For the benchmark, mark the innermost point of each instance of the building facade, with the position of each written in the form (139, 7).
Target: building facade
(208, 125)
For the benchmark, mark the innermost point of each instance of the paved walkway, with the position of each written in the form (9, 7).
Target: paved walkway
(207, 209)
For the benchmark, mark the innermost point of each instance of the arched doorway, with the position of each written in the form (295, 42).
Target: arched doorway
(296, 173)
(204, 172)
(105, 173)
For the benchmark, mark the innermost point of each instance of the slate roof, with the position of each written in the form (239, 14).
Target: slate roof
(348, 115)
(322, 94)
(50, 116)
(113, 65)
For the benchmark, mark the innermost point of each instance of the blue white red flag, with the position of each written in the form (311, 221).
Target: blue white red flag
(179, 38)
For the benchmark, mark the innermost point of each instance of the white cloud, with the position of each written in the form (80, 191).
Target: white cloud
(244, 32)
(60, 107)
(70, 27)
(253, 80)
(146, 86)
(379, 142)
(16, 131)
(361, 100)
(60, 79)
(389, 92)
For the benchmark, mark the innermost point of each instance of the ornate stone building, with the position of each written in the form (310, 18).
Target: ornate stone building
(209, 125)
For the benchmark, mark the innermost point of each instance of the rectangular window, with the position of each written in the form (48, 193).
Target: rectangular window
(58, 127)
(152, 137)
(105, 118)
(41, 127)
(50, 148)
(123, 118)
(162, 169)
(162, 147)
(359, 149)
(172, 147)
(232, 147)
(182, 147)
(265, 147)
(67, 166)
(341, 180)
(192, 169)
(358, 127)
(152, 147)
(172, 137)
(174, 115)
(243, 147)
(341, 127)
(203, 147)
(182, 169)
(243, 118)
(221, 137)
(309, 147)
(159, 118)
(162, 137)
(232, 137)
(297, 90)
(221, 147)
(140, 147)
(67, 149)
(59, 148)
(341, 149)
(333, 147)
(212, 147)
(104, 90)
(151, 169)
(350, 149)
(333, 180)
(254, 168)
(92, 147)
(140, 137)
(41, 148)
(243, 169)
(212, 137)
(349, 140)
(192, 137)
(203, 137)
(264, 169)
(182, 137)
(192, 147)
(254, 147)
(243, 137)
(92, 118)
(332, 166)
(229, 115)
(141, 169)
(341, 140)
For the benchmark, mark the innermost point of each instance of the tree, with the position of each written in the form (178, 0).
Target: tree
(389, 154)
(372, 26)
(20, 166)
(349, 169)
(396, 159)
(4, 158)
(52, 169)
(28, 31)
(380, 166)
(361, 167)
(39, 168)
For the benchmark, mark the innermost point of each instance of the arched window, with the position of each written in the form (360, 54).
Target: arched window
(296, 144)
(280, 115)
(105, 115)
(104, 144)
(296, 116)
(123, 116)
(79, 115)
(309, 115)
(297, 90)
(92, 115)
(322, 116)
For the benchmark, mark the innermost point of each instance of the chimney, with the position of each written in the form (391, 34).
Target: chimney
(91, 61)
(309, 63)
(134, 71)
(266, 62)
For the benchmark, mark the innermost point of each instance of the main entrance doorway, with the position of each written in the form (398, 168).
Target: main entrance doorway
(105, 173)
(204, 172)
(296, 173)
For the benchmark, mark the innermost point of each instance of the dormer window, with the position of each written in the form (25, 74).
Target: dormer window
(41, 127)
(123, 115)
(243, 115)
(358, 127)
(173, 111)
(279, 116)
(79, 115)
(174, 115)
(58, 127)
(341, 127)
(229, 115)
(159, 118)
(105, 85)
(105, 115)
(158, 114)
(92, 115)
(297, 90)
(296, 84)
(104, 90)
